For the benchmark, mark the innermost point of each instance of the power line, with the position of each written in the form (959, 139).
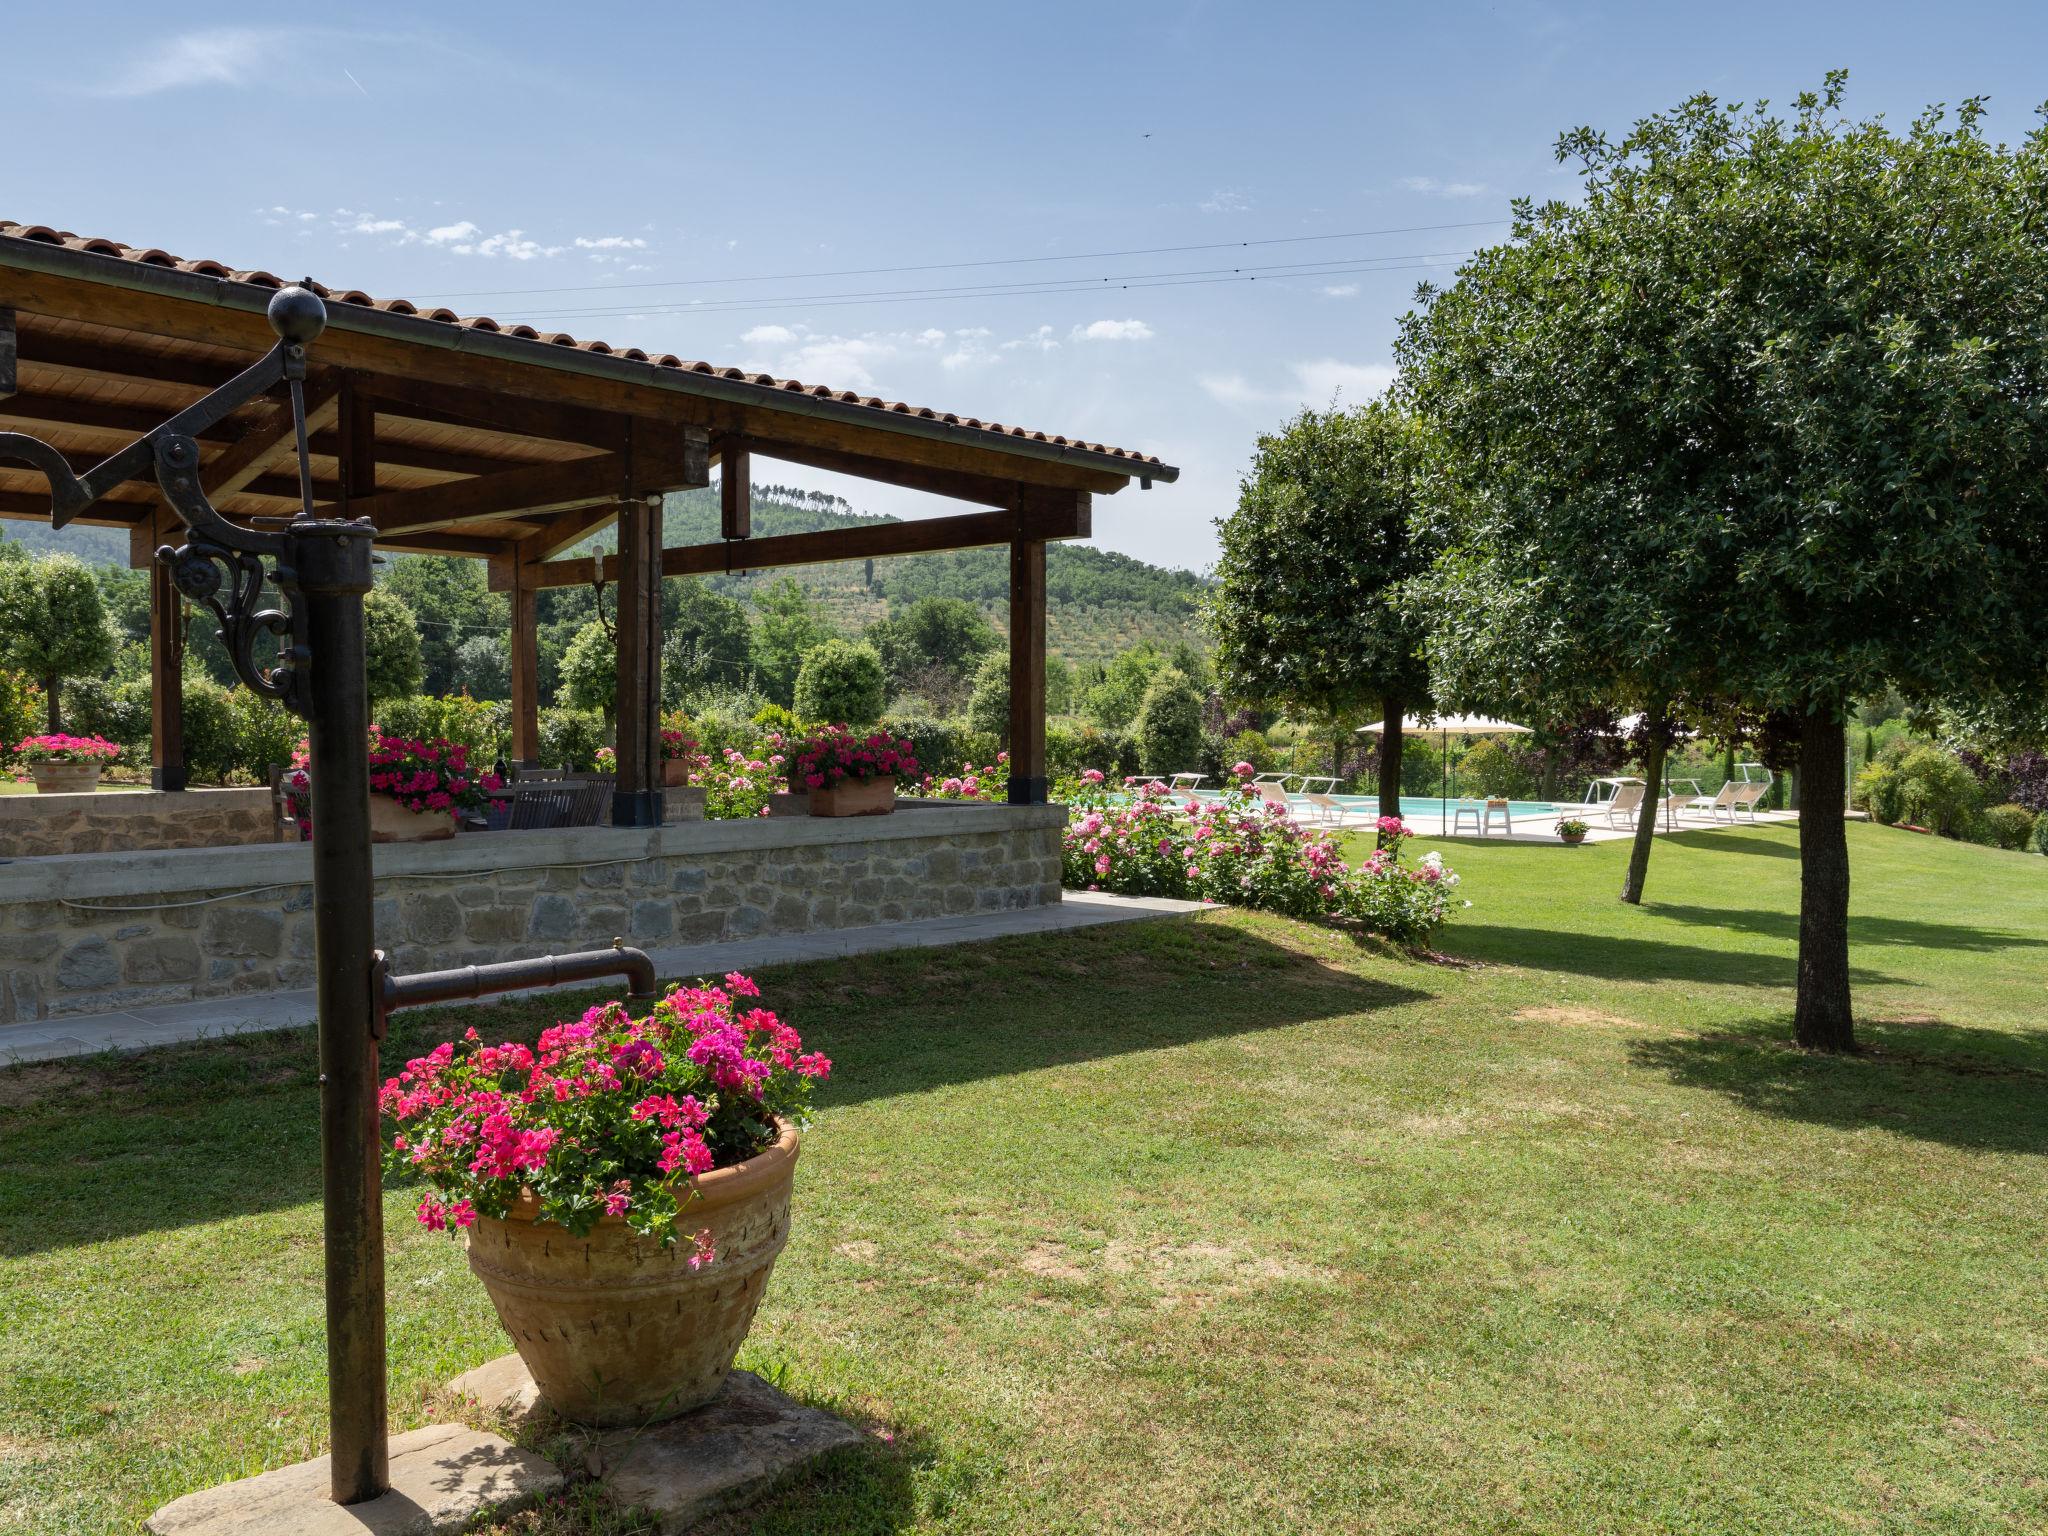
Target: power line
(1041, 285)
(951, 266)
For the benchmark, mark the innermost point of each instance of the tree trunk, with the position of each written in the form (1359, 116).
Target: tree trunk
(1390, 757)
(1646, 817)
(1821, 1019)
(50, 686)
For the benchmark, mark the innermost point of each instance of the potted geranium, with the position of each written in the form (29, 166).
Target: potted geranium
(66, 765)
(678, 754)
(419, 790)
(623, 1188)
(849, 775)
(1571, 830)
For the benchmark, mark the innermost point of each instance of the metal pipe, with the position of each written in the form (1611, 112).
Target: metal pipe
(395, 992)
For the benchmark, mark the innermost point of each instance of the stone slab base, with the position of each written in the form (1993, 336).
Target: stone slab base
(737, 1446)
(442, 1477)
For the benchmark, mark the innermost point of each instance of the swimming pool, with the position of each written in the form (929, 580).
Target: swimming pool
(1417, 807)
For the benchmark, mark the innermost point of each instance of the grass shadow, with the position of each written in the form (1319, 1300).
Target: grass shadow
(1864, 928)
(111, 1146)
(1734, 840)
(1620, 958)
(1979, 1089)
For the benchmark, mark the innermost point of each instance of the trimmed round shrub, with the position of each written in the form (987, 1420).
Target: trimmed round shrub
(1938, 792)
(2008, 826)
(988, 707)
(841, 683)
(266, 733)
(2039, 841)
(1169, 724)
(1877, 790)
(212, 751)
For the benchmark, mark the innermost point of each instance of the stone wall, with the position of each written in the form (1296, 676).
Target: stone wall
(37, 826)
(103, 932)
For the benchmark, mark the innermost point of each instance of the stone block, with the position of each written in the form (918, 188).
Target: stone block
(167, 957)
(687, 880)
(243, 932)
(605, 875)
(746, 920)
(653, 920)
(90, 965)
(442, 1478)
(554, 917)
(790, 914)
(494, 925)
(28, 948)
(432, 917)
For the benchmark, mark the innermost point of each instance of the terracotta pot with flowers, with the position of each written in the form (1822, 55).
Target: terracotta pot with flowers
(1571, 830)
(66, 765)
(622, 1187)
(678, 755)
(419, 790)
(849, 775)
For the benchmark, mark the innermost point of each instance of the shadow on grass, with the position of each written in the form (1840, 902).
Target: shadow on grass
(112, 1146)
(1736, 840)
(1614, 957)
(1980, 1089)
(1863, 929)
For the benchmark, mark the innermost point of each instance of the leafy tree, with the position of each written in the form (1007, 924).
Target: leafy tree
(53, 624)
(1304, 611)
(1059, 683)
(790, 625)
(590, 673)
(944, 632)
(391, 642)
(451, 598)
(1113, 701)
(988, 706)
(1762, 409)
(706, 641)
(841, 683)
(483, 667)
(1169, 723)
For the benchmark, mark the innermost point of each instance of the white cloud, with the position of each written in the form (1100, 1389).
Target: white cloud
(768, 336)
(1040, 340)
(610, 243)
(467, 238)
(1430, 186)
(1113, 330)
(365, 225)
(1340, 290)
(217, 56)
(1231, 389)
(931, 336)
(1224, 201)
(448, 233)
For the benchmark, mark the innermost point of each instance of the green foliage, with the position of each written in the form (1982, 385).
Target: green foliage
(21, 710)
(53, 624)
(789, 626)
(212, 748)
(945, 635)
(391, 645)
(1250, 747)
(1071, 748)
(1877, 789)
(988, 705)
(2038, 843)
(1059, 684)
(569, 738)
(1169, 724)
(265, 733)
(1938, 792)
(841, 683)
(118, 711)
(478, 724)
(1112, 701)
(1312, 559)
(773, 717)
(590, 672)
(1495, 768)
(706, 641)
(2008, 826)
(483, 667)
(452, 602)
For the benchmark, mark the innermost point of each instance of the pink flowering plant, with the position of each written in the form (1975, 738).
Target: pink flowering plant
(605, 1116)
(1236, 851)
(57, 747)
(738, 784)
(431, 776)
(827, 758)
(989, 782)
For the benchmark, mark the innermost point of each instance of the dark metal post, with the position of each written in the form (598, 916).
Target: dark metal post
(327, 564)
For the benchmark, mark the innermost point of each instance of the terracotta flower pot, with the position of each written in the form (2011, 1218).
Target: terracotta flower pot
(66, 778)
(852, 797)
(1571, 838)
(617, 1329)
(391, 822)
(675, 772)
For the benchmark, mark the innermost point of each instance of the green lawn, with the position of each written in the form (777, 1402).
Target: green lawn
(1225, 1225)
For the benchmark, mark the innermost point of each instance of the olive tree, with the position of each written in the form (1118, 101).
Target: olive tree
(53, 624)
(1304, 612)
(1757, 422)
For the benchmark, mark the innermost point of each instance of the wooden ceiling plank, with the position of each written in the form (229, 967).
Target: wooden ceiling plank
(271, 435)
(537, 489)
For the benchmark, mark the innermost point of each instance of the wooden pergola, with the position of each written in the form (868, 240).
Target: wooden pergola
(464, 436)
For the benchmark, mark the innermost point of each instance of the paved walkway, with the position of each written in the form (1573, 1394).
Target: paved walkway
(85, 1034)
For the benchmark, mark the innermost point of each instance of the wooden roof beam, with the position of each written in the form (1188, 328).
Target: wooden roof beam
(961, 485)
(273, 434)
(1053, 515)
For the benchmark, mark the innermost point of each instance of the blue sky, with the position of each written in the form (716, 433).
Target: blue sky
(653, 164)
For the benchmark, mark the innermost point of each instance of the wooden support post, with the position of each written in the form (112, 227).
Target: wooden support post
(166, 671)
(8, 352)
(636, 800)
(356, 434)
(525, 649)
(735, 494)
(1027, 672)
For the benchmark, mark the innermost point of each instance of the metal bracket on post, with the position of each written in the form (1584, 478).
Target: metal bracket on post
(396, 992)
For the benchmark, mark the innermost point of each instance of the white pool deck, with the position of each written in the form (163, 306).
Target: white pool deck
(1542, 826)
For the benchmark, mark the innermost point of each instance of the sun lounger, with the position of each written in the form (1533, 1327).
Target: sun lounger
(1722, 802)
(1627, 801)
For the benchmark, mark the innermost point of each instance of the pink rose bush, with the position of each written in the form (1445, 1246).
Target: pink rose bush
(433, 776)
(834, 755)
(1238, 852)
(57, 747)
(605, 1116)
(989, 783)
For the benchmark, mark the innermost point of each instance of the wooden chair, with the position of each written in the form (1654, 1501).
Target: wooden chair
(538, 775)
(593, 799)
(283, 829)
(535, 810)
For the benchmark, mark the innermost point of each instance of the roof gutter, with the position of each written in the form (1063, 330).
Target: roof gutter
(413, 330)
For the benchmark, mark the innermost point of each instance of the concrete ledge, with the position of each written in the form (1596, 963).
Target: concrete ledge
(76, 877)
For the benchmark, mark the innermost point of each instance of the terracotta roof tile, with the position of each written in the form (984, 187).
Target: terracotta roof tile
(43, 234)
